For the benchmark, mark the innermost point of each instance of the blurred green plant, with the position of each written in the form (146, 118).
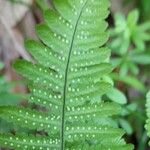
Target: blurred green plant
(147, 124)
(42, 4)
(129, 45)
(7, 97)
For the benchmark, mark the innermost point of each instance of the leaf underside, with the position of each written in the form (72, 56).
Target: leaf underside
(67, 79)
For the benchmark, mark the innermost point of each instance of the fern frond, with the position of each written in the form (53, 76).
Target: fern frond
(67, 79)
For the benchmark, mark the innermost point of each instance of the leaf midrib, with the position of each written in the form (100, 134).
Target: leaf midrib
(66, 79)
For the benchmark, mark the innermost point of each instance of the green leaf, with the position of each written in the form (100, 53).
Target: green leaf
(117, 96)
(124, 68)
(42, 4)
(133, 18)
(142, 59)
(7, 97)
(130, 80)
(126, 126)
(145, 26)
(133, 68)
(147, 125)
(92, 111)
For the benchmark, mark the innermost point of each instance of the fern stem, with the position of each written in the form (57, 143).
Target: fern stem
(66, 78)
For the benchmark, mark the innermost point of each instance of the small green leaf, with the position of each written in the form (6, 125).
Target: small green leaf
(130, 80)
(142, 59)
(117, 96)
(42, 4)
(126, 126)
(134, 69)
(124, 68)
(133, 18)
